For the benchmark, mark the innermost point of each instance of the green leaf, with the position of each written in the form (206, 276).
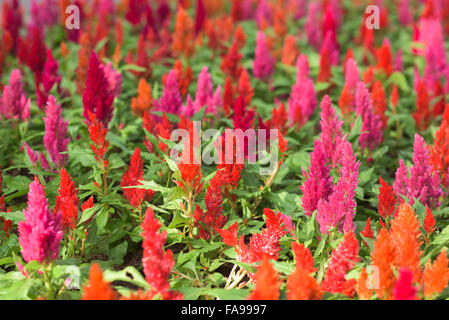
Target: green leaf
(15, 216)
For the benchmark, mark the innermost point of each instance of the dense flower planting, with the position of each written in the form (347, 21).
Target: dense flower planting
(129, 169)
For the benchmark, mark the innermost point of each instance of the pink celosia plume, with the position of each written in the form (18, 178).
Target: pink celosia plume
(13, 103)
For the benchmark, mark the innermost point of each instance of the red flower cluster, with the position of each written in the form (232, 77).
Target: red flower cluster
(157, 263)
(132, 177)
(67, 201)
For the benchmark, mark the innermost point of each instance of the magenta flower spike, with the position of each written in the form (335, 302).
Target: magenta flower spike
(372, 133)
(339, 210)
(13, 102)
(331, 132)
(41, 233)
(404, 13)
(97, 96)
(114, 78)
(263, 66)
(55, 140)
(170, 101)
(318, 183)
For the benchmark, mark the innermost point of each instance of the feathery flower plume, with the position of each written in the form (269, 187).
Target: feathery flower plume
(404, 14)
(144, 99)
(200, 16)
(331, 132)
(405, 235)
(32, 50)
(157, 263)
(67, 201)
(422, 115)
(339, 210)
(45, 13)
(429, 222)
(300, 283)
(204, 95)
(436, 277)
(49, 78)
(302, 101)
(13, 102)
(318, 183)
(379, 102)
(100, 145)
(289, 50)
(97, 96)
(244, 88)
(12, 21)
(383, 257)
(312, 28)
(263, 67)
(55, 140)
(231, 63)
(363, 292)
(184, 34)
(267, 282)
(372, 133)
(132, 177)
(97, 288)
(367, 232)
(423, 183)
(404, 289)
(40, 234)
(114, 79)
(439, 152)
(387, 200)
(343, 259)
(170, 101)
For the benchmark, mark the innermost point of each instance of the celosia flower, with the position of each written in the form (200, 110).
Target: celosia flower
(343, 259)
(422, 115)
(436, 277)
(97, 96)
(429, 222)
(318, 183)
(114, 78)
(383, 258)
(67, 201)
(387, 200)
(367, 232)
(13, 102)
(331, 132)
(12, 20)
(267, 283)
(184, 34)
(372, 133)
(439, 152)
(403, 289)
(157, 263)
(55, 140)
(339, 210)
(231, 62)
(262, 14)
(289, 50)
(303, 96)
(40, 234)
(32, 50)
(97, 288)
(229, 235)
(132, 177)
(312, 28)
(48, 79)
(97, 133)
(244, 88)
(144, 99)
(404, 14)
(204, 95)
(363, 292)
(170, 101)
(45, 13)
(379, 102)
(423, 183)
(405, 234)
(136, 8)
(385, 58)
(200, 16)
(263, 67)
(213, 217)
